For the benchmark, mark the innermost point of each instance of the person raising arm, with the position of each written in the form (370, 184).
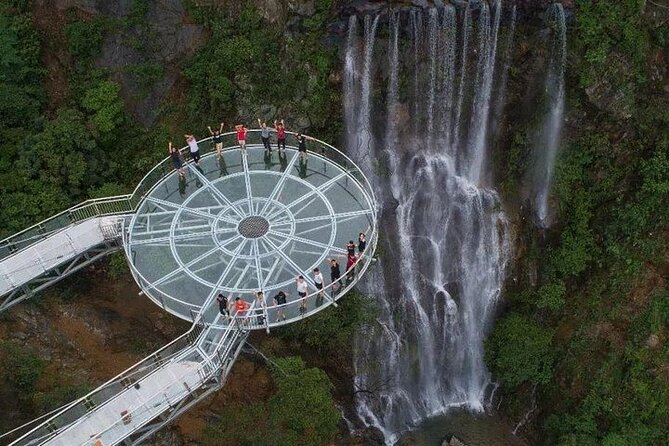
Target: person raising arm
(217, 139)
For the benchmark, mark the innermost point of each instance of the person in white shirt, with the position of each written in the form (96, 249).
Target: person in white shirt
(302, 292)
(194, 149)
(318, 281)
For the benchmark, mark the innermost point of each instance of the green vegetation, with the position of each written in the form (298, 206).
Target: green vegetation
(21, 368)
(250, 65)
(331, 331)
(591, 332)
(300, 412)
(520, 351)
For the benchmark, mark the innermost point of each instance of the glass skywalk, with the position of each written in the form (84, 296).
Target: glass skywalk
(248, 222)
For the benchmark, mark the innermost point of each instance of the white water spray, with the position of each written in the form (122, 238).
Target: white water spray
(443, 276)
(549, 136)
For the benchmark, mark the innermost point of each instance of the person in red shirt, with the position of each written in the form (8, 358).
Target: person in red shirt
(351, 260)
(241, 136)
(280, 135)
(240, 309)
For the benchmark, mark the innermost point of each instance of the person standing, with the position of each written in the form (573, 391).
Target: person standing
(280, 129)
(362, 242)
(264, 135)
(335, 275)
(194, 149)
(302, 292)
(302, 147)
(260, 308)
(217, 139)
(240, 309)
(280, 300)
(223, 306)
(241, 136)
(350, 248)
(175, 155)
(318, 281)
(351, 260)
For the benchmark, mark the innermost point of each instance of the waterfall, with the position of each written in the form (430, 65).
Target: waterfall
(351, 80)
(447, 238)
(548, 139)
(506, 62)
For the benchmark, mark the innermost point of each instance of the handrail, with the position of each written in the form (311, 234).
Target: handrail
(154, 364)
(94, 207)
(194, 340)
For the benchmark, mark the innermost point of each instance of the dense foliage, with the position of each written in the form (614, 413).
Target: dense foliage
(301, 412)
(591, 330)
(252, 68)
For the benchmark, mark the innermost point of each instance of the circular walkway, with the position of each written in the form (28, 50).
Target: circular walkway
(244, 223)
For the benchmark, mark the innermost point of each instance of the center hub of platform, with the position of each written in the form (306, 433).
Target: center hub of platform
(253, 227)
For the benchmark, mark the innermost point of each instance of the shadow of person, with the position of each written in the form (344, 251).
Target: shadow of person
(198, 183)
(268, 160)
(222, 167)
(182, 185)
(302, 169)
(283, 161)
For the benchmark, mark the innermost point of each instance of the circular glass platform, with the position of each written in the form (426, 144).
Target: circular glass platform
(244, 223)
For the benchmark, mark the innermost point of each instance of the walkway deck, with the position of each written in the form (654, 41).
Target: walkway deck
(53, 251)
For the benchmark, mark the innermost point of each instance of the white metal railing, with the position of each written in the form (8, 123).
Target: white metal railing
(210, 339)
(128, 203)
(97, 207)
(214, 365)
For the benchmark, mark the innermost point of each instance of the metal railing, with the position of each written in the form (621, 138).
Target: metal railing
(98, 207)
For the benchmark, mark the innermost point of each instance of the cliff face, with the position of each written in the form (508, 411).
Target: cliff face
(594, 282)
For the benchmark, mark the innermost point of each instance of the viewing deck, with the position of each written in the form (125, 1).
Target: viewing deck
(250, 222)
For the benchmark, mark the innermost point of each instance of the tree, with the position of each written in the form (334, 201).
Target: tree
(519, 351)
(104, 103)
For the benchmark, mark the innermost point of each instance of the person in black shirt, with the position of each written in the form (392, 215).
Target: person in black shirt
(362, 242)
(175, 155)
(217, 139)
(223, 305)
(280, 299)
(335, 275)
(302, 146)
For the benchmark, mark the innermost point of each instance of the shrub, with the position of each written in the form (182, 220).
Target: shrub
(104, 102)
(519, 351)
(84, 39)
(21, 367)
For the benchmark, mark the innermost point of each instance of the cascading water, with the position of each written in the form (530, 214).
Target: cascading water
(548, 139)
(446, 237)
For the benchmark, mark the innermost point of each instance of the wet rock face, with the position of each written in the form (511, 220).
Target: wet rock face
(370, 436)
(166, 38)
(606, 93)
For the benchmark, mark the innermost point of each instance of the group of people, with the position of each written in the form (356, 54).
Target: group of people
(278, 128)
(240, 307)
